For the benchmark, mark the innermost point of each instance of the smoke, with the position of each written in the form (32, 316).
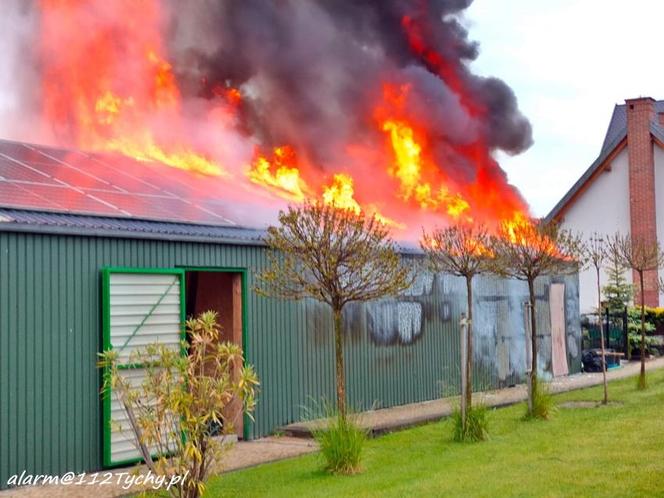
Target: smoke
(343, 83)
(19, 112)
(321, 63)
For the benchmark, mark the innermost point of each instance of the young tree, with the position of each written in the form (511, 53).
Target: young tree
(335, 256)
(460, 250)
(593, 253)
(525, 250)
(175, 410)
(641, 256)
(618, 292)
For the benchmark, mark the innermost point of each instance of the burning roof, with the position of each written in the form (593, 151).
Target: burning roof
(255, 104)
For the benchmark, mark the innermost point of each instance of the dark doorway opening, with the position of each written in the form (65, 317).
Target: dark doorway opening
(219, 291)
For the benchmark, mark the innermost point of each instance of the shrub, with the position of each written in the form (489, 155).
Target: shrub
(544, 406)
(341, 440)
(477, 424)
(656, 317)
(177, 408)
(634, 330)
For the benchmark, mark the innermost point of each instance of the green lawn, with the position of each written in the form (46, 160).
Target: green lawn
(610, 451)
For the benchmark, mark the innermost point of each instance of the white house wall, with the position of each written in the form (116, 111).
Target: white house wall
(603, 208)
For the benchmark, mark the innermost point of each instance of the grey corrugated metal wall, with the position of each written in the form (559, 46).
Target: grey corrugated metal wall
(399, 351)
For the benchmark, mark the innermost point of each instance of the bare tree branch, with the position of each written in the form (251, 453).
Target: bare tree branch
(525, 250)
(335, 256)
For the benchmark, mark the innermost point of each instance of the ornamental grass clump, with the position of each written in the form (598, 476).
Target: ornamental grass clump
(544, 405)
(475, 429)
(341, 440)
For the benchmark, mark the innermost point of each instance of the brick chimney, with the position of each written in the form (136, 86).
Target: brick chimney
(643, 222)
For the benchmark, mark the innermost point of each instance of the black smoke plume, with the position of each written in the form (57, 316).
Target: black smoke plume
(311, 70)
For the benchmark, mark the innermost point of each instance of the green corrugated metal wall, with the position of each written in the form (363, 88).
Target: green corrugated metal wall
(50, 332)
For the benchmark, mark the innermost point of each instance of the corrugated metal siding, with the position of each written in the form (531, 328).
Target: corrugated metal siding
(50, 333)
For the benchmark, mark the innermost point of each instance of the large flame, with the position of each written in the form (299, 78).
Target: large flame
(279, 173)
(109, 86)
(408, 169)
(105, 100)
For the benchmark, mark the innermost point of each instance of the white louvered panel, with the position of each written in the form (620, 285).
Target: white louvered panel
(133, 309)
(123, 444)
(133, 300)
(144, 309)
(121, 317)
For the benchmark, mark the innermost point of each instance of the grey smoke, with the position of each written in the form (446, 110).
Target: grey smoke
(313, 70)
(19, 103)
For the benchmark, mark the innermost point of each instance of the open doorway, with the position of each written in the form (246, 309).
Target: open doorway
(219, 291)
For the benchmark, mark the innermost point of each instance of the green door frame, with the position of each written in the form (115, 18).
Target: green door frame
(246, 419)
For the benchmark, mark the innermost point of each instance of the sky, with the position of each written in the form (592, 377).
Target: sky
(569, 62)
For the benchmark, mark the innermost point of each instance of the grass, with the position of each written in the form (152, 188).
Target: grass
(610, 451)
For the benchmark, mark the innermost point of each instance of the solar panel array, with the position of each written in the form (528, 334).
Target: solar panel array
(50, 179)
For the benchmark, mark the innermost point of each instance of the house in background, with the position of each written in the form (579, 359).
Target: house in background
(623, 190)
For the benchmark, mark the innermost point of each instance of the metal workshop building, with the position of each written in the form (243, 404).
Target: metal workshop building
(76, 278)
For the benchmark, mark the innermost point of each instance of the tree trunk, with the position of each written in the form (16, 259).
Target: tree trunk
(339, 363)
(469, 346)
(642, 376)
(601, 339)
(533, 343)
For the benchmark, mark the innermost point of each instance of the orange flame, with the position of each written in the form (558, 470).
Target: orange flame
(340, 193)
(280, 174)
(125, 98)
(410, 167)
(109, 101)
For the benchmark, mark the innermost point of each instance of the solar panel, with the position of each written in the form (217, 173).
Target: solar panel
(73, 201)
(148, 206)
(121, 170)
(64, 174)
(18, 150)
(12, 195)
(41, 177)
(13, 171)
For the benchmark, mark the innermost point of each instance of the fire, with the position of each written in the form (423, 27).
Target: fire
(279, 173)
(410, 167)
(166, 92)
(523, 231)
(144, 148)
(111, 100)
(407, 156)
(517, 228)
(114, 88)
(340, 193)
(233, 96)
